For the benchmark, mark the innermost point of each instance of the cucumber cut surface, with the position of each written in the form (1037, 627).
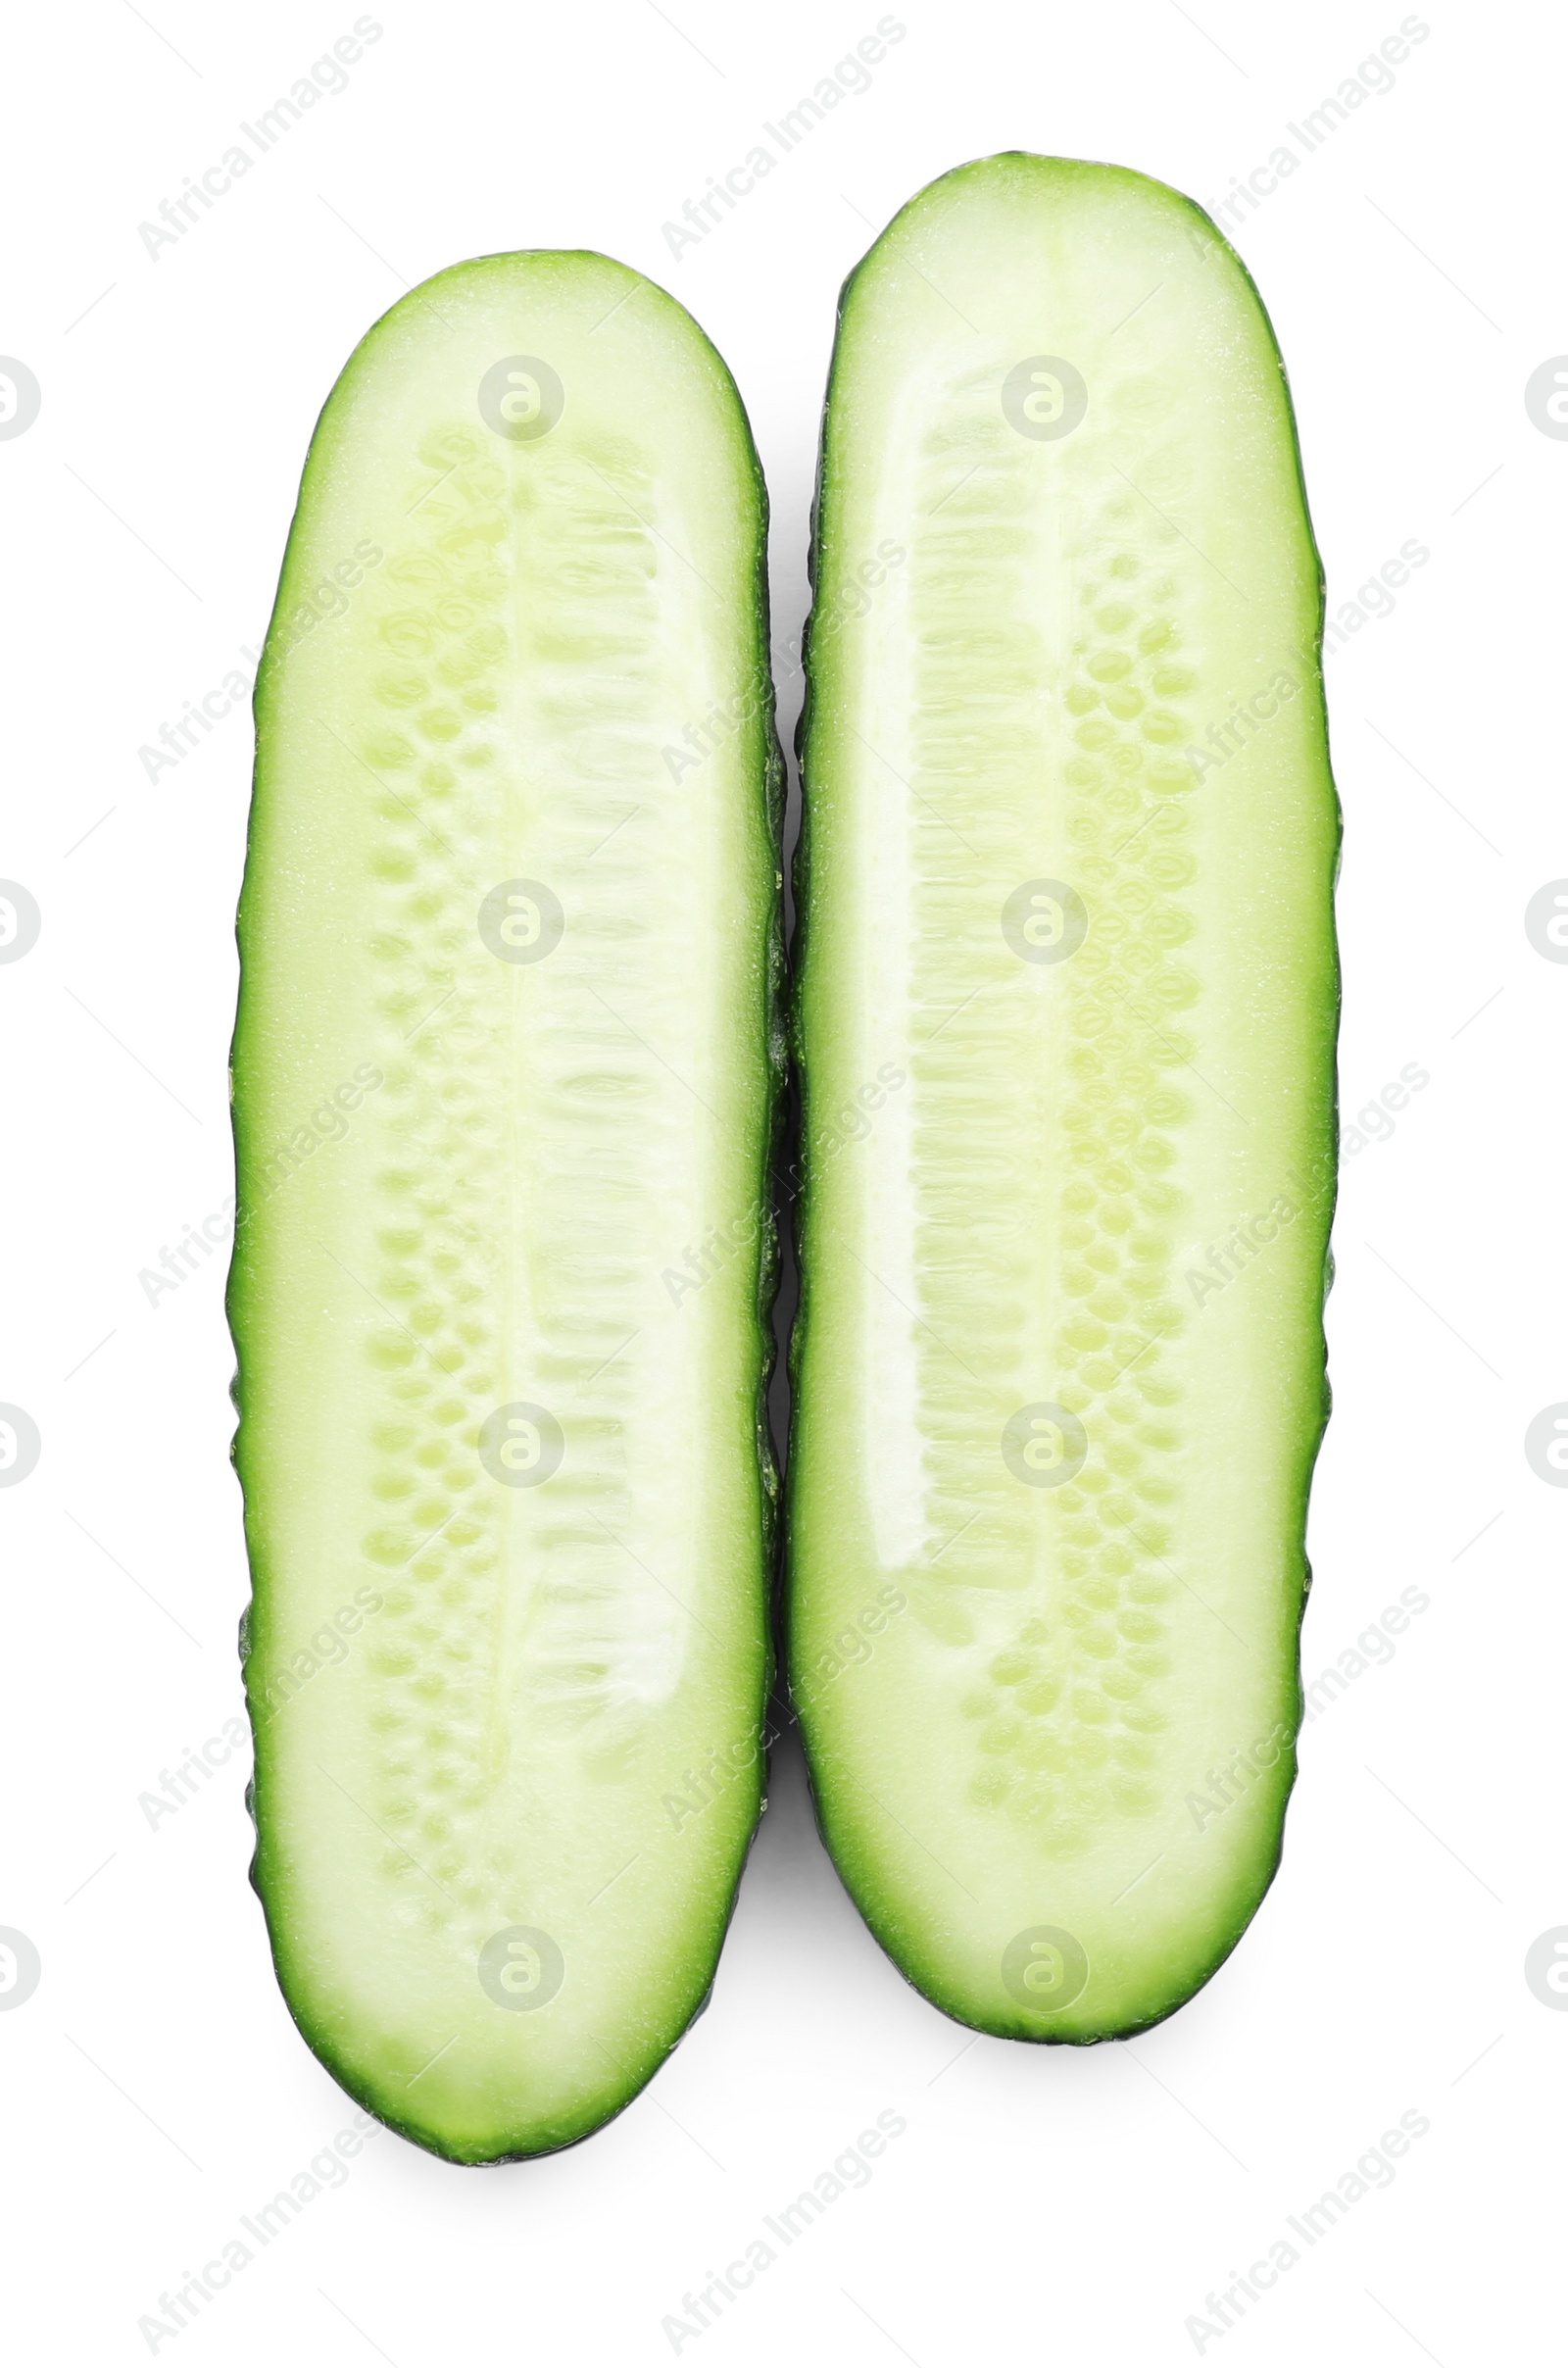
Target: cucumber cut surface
(1066, 1020)
(506, 1048)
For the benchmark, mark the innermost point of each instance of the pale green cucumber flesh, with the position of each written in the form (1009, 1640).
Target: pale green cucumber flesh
(1065, 1018)
(507, 1052)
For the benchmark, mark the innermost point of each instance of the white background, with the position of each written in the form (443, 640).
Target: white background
(1043, 2203)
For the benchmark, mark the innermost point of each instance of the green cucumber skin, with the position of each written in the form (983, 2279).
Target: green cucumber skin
(261, 1634)
(903, 1934)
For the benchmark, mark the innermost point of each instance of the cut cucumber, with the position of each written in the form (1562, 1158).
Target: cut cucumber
(506, 1055)
(1066, 1027)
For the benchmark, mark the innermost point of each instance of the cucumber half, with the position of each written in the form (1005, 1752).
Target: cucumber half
(1066, 1020)
(507, 1053)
